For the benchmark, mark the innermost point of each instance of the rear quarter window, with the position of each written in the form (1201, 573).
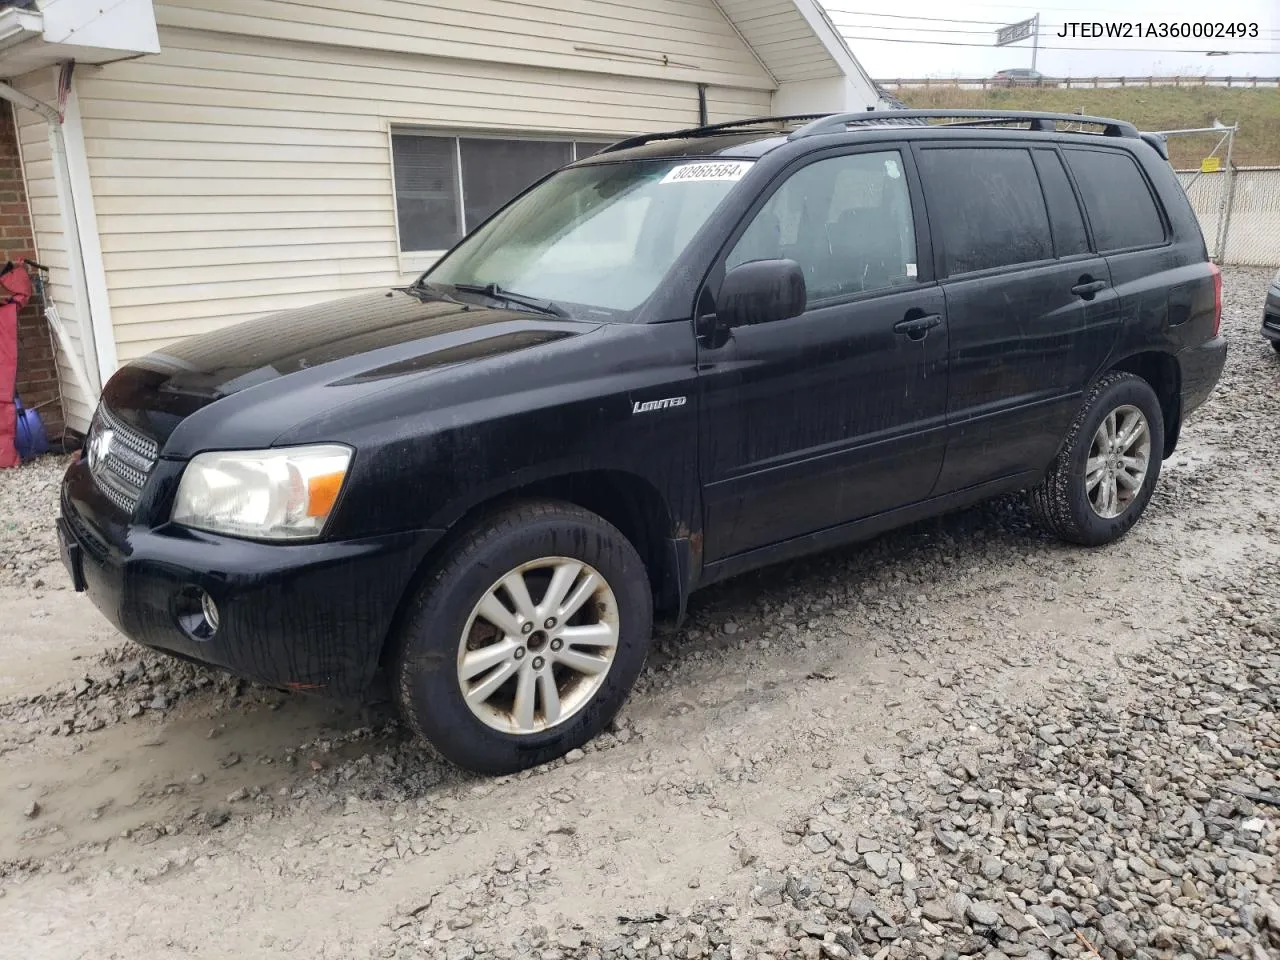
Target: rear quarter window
(985, 206)
(1121, 208)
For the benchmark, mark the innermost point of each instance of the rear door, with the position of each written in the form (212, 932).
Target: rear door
(1155, 285)
(1031, 310)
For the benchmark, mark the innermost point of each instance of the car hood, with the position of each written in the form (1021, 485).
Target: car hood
(371, 338)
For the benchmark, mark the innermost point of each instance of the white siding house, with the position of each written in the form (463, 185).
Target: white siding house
(247, 156)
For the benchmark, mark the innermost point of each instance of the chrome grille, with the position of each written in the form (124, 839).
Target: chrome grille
(120, 466)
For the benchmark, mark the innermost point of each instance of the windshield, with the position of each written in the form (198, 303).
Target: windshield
(601, 236)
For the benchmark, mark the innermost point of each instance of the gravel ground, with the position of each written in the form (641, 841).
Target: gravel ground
(963, 739)
(28, 504)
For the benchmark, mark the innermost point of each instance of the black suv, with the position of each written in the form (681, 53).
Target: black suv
(687, 356)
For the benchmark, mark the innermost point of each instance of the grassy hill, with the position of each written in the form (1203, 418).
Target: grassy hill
(1149, 108)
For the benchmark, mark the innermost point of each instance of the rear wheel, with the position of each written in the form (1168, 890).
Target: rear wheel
(526, 639)
(1103, 477)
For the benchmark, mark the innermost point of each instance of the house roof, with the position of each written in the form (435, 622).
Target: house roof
(35, 35)
(795, 41)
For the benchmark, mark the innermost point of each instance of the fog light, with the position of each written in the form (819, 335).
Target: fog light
(196, 612)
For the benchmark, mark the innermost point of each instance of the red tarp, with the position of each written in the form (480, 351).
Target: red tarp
(15, 289)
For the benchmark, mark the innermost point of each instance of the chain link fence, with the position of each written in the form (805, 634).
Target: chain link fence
(1208, 195)
(1238, 207)
(1240, 213)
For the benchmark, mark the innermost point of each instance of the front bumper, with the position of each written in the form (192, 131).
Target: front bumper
(1271, 314)
(1201, 368)
(310, 616)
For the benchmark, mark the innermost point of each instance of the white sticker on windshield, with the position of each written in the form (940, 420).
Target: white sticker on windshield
(911, 269)
(720, 170)
(891, 168)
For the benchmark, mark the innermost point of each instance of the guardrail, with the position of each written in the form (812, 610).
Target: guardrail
(1071, 83)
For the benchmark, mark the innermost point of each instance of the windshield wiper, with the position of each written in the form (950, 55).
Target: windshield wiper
(495, 292)
(427, 291)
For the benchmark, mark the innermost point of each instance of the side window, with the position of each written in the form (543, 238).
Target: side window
(1064, 210)
(986, 207)
(1121, 208)
(846, 220)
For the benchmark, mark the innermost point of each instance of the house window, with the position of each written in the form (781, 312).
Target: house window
(448, 186)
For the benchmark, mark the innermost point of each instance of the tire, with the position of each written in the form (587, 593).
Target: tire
(1064, 503)
(1275, 345)
(537, 541)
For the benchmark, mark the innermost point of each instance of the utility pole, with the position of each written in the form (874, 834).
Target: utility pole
(1035, 39)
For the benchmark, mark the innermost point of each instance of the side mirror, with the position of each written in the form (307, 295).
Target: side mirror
(760, 291)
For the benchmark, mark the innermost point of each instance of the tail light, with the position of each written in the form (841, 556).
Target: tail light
(1217, 297)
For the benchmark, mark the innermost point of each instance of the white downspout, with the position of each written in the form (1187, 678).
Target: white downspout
(85, 372)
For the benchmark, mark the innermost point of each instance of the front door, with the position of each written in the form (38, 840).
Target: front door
(839, 413)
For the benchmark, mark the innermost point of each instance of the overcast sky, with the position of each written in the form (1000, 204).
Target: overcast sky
(892, 46)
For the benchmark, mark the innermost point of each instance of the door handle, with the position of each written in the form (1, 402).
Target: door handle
(1086, 288)
(917, 327)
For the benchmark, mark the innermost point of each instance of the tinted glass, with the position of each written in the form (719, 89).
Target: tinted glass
(494, 171)
(1064, 210)
(847, 221)
(426, 179)
(985, 207)
(1121, 209)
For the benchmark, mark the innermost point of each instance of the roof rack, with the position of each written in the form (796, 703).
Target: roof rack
(816, 123)
(709, 131)
(1045, 122)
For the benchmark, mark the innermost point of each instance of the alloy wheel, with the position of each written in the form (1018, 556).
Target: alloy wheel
(1119, 458)
(538, 645)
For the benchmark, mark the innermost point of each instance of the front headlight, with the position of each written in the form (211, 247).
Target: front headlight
(284, 494)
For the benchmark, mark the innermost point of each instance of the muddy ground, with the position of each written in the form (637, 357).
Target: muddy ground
(960, 739)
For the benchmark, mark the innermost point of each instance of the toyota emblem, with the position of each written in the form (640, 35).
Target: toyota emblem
(99, 448)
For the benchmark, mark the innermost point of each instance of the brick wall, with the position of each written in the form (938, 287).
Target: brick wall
(37, 367)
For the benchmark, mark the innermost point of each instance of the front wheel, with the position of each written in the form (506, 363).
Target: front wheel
(1103, 477)
(526, 639)
(1275, 345)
